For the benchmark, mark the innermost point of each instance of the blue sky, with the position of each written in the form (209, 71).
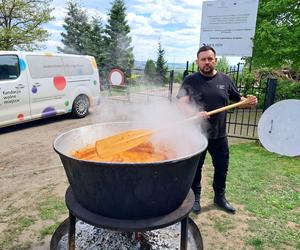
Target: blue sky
(176, 24)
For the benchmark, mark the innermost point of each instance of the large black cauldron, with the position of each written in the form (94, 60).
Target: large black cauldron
(126, 190)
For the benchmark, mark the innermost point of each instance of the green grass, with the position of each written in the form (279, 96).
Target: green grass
(256, 241)
(223, 225)
(115, 91)
(268, 186)
(17, 227)
(25, 222)
(49, 230)
(51, 208)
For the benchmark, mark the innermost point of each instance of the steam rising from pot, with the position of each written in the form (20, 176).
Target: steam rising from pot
(165, 118)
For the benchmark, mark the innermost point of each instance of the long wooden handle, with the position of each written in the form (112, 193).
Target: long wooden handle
(231, 106)
(219, 110)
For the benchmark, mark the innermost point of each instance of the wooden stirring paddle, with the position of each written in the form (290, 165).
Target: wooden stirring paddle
(131, 138)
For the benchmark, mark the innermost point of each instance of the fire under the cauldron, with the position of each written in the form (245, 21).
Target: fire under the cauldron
(90, 238)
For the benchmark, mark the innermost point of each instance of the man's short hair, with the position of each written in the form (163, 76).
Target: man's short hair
(206, 48)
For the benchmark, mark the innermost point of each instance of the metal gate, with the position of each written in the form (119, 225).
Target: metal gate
(142, 88)
(242, 123)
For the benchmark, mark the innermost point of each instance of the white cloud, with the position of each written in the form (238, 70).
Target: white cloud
(171, 12)
(133, 18)
(145, 49)
(140, 30)
(92, 12)
(193, 4)
(59, 14)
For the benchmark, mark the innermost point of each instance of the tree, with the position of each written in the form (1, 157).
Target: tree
(119, 50)
(20, 24)
(77, 30)
(222, 64)
(276, 42)
(161, 64)
(94, 43)
(150, 68)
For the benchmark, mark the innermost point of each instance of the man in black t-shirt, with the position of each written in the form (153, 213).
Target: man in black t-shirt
(210, 90)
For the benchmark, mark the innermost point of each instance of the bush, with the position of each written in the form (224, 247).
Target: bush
(287, 89)
(150, 68)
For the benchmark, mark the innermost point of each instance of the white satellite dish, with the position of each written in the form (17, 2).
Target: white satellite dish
(279, 128)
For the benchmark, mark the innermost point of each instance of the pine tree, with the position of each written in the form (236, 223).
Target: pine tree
(161, 64)
(94, 43)
(118, 41)
(77, 30)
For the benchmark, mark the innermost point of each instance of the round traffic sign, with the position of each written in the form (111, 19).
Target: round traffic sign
(116, 77)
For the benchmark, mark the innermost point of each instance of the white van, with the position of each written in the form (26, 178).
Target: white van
(36, 85)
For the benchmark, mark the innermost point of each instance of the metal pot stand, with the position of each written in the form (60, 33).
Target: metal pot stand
(188, 232)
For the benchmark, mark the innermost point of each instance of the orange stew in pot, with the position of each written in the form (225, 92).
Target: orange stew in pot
(145, 152)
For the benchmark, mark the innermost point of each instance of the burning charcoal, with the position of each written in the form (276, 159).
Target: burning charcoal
(90, 238)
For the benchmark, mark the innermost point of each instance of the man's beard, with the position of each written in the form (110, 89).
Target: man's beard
(207, 70)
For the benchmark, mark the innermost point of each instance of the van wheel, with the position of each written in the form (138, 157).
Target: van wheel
(81, 106)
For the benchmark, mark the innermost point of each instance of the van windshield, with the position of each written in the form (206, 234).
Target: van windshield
(9, 67)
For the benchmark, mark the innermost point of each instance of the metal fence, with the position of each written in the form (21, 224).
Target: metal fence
(243, 123)
(142, 88)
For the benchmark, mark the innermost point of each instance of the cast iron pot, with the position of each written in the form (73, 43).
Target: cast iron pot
(125, 190)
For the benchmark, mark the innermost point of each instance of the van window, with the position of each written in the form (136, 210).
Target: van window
(45, 66)
(76, 66)
(9, 67)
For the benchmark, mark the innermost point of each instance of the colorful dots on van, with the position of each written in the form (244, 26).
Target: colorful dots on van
(34, 89)
(22, 64)
(67, 103)
(20, 117)
(49, 111)
(59, 82)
